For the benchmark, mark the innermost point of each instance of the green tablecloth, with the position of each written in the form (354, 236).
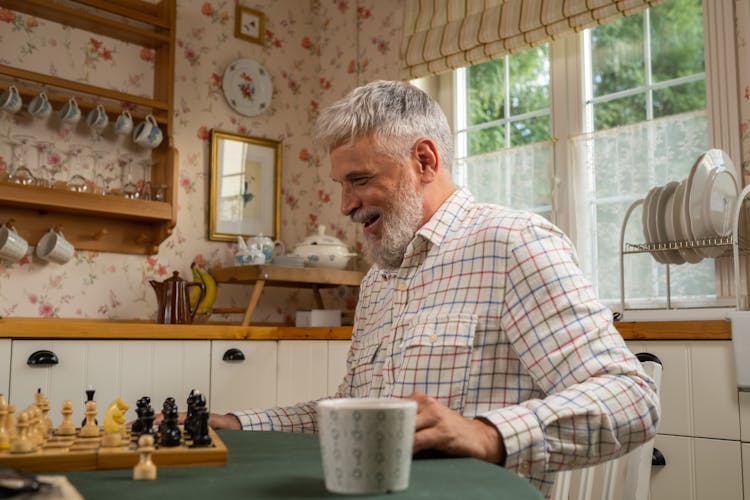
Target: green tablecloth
(278, 465)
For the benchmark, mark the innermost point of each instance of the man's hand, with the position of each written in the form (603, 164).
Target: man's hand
(440, 428)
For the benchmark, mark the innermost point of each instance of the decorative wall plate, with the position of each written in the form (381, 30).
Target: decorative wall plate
(247, 87)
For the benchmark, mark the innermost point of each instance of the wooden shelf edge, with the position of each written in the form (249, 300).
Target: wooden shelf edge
(718, 329)
(287, 276)
(85, 329)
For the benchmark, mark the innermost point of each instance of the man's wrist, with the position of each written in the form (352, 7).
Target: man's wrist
(494, 446)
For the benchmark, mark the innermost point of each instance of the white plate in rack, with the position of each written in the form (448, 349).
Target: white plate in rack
(691, 255)
(713, 190)
(664, 204)
(649, 222)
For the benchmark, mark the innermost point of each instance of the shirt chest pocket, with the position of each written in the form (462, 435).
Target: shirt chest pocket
(364, 370)
(436, 357)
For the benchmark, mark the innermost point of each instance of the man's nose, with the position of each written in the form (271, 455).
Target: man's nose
(349, 201)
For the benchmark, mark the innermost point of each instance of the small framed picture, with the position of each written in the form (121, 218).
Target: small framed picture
(249, 24)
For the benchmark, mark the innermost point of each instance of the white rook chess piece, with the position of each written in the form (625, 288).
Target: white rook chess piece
(145, 468)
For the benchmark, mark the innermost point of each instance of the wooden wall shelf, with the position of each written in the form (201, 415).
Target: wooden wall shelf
(314, 278)
(90, 221)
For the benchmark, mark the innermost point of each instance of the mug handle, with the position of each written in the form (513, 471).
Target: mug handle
(150, 118)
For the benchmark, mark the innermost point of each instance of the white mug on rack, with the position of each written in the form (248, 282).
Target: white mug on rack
(53, 247)
(124, 123)
(10, 99)
(148, 134)
(70, 112)
(40, 107)
(12, 246)
(97, 118)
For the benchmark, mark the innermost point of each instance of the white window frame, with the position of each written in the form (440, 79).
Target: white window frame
(567, 109)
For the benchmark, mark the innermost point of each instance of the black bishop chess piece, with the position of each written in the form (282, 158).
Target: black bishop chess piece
(200, 434)
(194, 401)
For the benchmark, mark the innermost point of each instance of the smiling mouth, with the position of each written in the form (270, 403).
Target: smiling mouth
(371, 220)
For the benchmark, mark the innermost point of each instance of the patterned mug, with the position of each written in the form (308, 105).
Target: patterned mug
(10, 99)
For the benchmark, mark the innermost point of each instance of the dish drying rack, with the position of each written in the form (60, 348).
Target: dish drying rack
(733, 242)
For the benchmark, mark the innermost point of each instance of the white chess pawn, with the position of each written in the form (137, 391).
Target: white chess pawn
(22, 443)
(90, 429)
(10, 422)
(66, 427)
(145, 468)
(4, 432)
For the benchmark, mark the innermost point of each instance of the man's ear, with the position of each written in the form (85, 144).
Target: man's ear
(427, 157)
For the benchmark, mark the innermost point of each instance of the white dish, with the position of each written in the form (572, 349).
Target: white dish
(247, 87)
(664, 204)
(649, 222)
(713, 189)
(691, 255)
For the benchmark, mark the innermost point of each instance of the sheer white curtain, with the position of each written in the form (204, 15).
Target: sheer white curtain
(614, 167)
(518, 177)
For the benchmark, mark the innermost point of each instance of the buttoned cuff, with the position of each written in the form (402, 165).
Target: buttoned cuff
(253, 420)
(523, 439)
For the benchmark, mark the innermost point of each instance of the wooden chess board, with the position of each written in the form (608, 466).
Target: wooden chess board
(77, 453)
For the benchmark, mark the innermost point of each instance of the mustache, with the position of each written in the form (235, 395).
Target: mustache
(364, 214)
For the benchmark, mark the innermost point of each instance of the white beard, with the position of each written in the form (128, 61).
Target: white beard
(399, 223)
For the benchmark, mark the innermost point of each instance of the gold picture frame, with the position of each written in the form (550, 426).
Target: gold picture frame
(245, 186)
(249, 24)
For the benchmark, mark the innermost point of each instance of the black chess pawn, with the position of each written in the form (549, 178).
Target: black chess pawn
(169, 430)
(141, 405)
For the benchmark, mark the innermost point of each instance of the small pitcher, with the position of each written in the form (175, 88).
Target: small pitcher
(173, 297)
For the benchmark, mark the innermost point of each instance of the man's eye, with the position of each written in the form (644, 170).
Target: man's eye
(360, 181)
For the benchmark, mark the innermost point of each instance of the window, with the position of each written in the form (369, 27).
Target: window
(629, 112)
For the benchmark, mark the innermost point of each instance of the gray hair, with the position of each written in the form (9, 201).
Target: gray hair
(396, 113)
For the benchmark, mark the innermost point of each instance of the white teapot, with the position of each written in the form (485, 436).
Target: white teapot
(322, 250)
(266, 245)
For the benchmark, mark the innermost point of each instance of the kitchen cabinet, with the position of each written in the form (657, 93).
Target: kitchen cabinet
(338, 351)
(128, 368)
(302, 371)
(700, 428)
(93, 221)
(5, 346)
(243, 374)
(697, 468)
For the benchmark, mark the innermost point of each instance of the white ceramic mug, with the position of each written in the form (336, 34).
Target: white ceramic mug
(70, 112)
(147, 134)
(124, 123)
(39, 106)
(12, 246)
(53, 247)
(366, 444)
(10, 99)
(97, 118)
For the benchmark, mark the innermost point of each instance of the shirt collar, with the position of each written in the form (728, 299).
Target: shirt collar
(453, 211)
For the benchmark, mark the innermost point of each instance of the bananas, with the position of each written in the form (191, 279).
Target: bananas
(202, 276)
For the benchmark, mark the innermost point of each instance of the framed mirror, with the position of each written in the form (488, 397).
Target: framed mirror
(245, 186)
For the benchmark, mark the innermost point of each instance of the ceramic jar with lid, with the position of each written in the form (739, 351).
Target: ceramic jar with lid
(322, 250)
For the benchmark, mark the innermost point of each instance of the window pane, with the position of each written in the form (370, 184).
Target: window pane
(515, 177)
(680, 99)
(676, 39)
(486, 92)
(529, 79)
(486, 139)
(617, 61)
(530, 130)
(620, 112)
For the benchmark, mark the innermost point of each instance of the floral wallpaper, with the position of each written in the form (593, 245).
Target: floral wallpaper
(315, 51)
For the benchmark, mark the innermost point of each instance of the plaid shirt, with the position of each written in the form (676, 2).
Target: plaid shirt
(490, 315)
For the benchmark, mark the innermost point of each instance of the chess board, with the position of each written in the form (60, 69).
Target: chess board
(78, 453)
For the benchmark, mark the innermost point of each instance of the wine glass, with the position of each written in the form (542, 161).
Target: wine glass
(20, 172)
(78, 181)
(98, 181)
(144, 187)
(129, 188)
(48, 163)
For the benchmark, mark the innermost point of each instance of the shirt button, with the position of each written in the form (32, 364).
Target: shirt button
(433, 338)
(403, 286)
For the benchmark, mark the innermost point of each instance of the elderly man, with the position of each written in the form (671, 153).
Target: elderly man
(479, 313)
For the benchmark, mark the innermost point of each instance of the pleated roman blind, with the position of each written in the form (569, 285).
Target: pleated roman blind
(443, 34)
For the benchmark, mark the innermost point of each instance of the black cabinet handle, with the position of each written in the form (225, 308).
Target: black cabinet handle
(233, 354)
(647, 356)
(658, 459)
(42, 358)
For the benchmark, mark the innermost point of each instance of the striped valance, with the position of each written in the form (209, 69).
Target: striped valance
(442, 34)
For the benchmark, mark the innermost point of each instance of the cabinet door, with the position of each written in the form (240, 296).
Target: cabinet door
(127, 369)
(243, 383)
(302, 371)
(337, 353)
(697, 468)
(4, 367)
